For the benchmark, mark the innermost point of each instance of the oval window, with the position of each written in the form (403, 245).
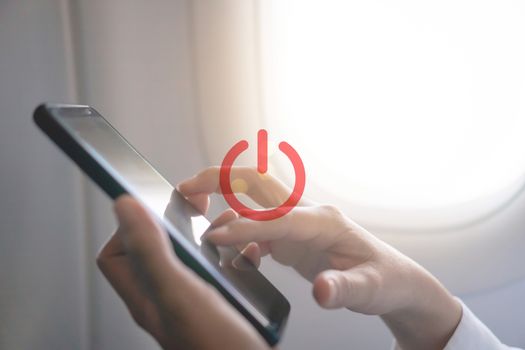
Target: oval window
(409, 114)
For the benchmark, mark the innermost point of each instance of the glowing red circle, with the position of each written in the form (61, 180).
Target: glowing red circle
(269, 214)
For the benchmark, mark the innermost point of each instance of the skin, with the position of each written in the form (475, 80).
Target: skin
(164, 297)
(347, 266)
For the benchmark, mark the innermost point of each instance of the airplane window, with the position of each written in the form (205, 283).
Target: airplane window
(416, 109)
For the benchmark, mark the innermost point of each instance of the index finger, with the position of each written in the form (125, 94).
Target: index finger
(264, 189)
(302, 224)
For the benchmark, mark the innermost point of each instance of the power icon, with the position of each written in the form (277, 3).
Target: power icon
(262, 168)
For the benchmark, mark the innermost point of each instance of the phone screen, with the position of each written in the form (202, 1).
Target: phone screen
(183, 221)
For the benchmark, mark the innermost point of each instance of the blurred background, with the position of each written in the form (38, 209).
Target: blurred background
(408, 115)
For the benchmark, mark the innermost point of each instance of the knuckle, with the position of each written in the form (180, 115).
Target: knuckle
(138, 318)
(349, 284)
(212, 170)
(335, 218)
(347, 289)
(373, 278)
(330, 210)
(361, 289)
(100, 261)
(374, 284)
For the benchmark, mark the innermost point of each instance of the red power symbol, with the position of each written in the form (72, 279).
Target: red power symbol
(262, 167)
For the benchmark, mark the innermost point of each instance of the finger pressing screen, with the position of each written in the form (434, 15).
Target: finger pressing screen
(300, 224)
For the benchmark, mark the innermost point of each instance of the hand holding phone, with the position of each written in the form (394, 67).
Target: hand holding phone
(164, 297)
(110, 161)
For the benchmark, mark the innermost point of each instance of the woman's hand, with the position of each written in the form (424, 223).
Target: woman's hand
(348, 266)
(165, 298)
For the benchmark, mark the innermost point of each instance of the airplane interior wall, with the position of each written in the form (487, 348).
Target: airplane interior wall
(135, 62)
(43, 284)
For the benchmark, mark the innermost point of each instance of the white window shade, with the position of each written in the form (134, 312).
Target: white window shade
(411, 112)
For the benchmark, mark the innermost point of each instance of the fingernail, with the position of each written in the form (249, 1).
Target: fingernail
(219, 231)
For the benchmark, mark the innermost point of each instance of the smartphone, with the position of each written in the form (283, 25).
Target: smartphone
(118, 168)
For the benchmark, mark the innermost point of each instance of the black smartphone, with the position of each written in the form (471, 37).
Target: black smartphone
(111, 162)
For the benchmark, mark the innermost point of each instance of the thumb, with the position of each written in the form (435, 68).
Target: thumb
(353, 288)
(150, 251)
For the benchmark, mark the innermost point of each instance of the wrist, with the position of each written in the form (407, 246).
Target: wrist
(429, 318)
